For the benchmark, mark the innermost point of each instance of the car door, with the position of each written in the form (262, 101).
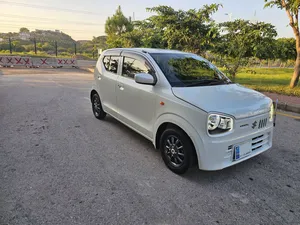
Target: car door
(136, 102)
(107, 80)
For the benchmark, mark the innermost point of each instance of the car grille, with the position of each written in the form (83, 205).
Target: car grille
(263, 123)
(259, 141)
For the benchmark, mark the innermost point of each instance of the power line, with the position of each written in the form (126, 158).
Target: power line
(48, 7)
(47, 19)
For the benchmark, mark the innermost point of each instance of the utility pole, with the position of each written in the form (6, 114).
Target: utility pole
(94, 51)
(34, 42)
(10, 46)
(75, 48)
(56, 48)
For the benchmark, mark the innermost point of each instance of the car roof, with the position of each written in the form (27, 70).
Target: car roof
(142, 50)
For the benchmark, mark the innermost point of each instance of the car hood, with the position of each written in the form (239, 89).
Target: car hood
(232, 99)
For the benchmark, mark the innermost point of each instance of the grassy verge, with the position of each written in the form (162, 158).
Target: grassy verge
(275, 80)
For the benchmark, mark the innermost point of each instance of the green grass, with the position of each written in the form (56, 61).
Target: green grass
(275, 80)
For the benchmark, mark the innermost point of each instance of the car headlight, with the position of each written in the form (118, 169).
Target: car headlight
(218, 124)
(271, 113)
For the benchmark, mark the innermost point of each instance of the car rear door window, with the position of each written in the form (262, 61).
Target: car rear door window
(106, 62)
(111, 63)
(133, 66)
(114, 63)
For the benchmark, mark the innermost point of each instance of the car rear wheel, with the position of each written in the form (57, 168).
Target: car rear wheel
(177, 150)
(97, 107)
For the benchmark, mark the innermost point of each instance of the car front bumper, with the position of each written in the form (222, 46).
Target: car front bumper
(219, 153)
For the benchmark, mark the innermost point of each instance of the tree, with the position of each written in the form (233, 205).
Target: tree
(24, 30)
(100, 42)
(292, 10)
(285, 49)
(192, 30)
(240, 40)
(144, 34)
(47, 47)
(115, 26)
(17, 47)
(266, 50)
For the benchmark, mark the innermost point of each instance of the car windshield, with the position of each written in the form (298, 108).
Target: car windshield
(189, 70)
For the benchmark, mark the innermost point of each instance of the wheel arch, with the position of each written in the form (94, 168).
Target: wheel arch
(166, 120)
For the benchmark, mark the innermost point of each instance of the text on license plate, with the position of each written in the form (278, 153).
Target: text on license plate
(242, 150)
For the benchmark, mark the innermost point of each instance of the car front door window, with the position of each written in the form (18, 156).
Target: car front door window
(133, 66)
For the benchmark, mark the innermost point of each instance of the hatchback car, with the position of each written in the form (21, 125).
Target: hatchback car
(184, 105)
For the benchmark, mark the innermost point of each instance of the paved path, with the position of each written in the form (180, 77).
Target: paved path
(284, 98)
(59, 165)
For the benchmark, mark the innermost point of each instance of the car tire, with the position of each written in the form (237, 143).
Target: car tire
(177, 150)
(97, 107)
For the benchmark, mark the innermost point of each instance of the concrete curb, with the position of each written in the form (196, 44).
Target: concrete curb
(281, 105)
(289, 107)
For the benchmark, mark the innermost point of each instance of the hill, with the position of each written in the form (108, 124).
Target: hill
(46, 42)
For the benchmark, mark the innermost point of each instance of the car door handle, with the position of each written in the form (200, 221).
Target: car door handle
(99, 77)
(121, 87)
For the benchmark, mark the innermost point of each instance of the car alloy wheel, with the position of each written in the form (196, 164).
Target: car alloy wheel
(174, 151)
(96, 106)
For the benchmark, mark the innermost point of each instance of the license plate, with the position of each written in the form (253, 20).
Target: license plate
(242, 150)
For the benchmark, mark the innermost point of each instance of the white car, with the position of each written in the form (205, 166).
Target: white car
(184, 105)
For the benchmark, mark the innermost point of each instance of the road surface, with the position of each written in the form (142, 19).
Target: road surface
(60, 165)
(86, 63)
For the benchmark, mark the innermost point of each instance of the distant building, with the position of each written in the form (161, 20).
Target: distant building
(24, 36)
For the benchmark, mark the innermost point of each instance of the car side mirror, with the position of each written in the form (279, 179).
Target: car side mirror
(144, 78)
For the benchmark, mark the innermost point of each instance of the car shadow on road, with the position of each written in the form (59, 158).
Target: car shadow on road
(193, 174)
(233, 172)
(131, 133)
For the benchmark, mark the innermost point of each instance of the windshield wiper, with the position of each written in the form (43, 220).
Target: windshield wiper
(206, 83)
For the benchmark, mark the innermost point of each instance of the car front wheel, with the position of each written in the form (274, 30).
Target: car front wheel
(177, 150)
(97, 107)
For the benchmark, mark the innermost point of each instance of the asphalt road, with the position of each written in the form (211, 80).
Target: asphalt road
(86, 63)
(60, 165)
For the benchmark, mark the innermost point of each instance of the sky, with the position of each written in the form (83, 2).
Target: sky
(85, 19)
